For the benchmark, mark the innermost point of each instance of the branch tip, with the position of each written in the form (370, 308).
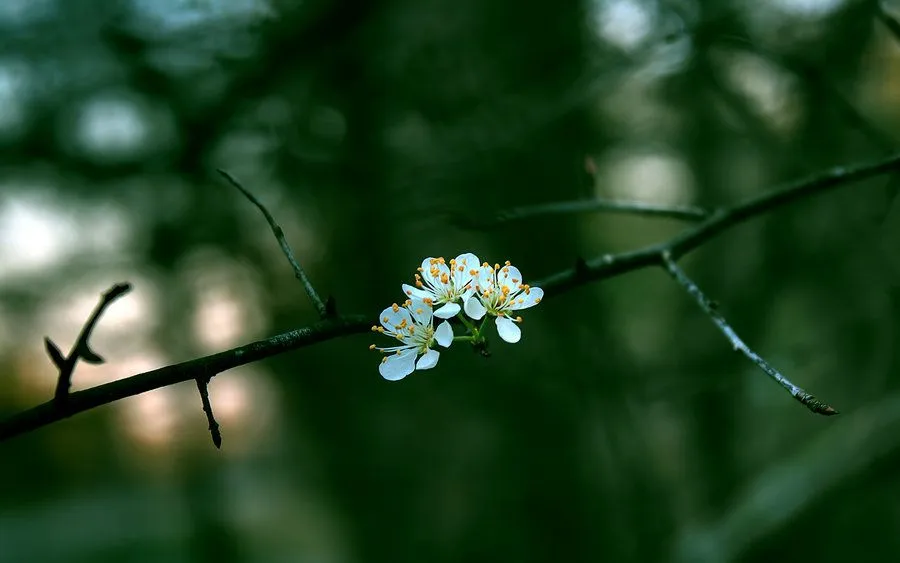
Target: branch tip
(214, 432)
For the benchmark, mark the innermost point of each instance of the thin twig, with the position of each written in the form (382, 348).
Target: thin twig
(81, 350)
(610, 265)
(811, 402)
(680, 212)
(203, 388)
(603, 267)
(299, 272)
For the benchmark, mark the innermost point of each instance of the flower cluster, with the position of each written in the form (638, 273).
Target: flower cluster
(444, 290)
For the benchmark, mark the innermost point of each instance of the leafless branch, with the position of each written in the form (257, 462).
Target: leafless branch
(811, 402)
(81, 350)
(299, 272)
(80, 401)
(581, 273)
(680, 212)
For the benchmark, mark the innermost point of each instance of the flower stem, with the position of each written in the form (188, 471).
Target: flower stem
(467, 324)
(463, 339)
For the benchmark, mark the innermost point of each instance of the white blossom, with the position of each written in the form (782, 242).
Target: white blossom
(412, 325)
(440, 283)
(499, 290)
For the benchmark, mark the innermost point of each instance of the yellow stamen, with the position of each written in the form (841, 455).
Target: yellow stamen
(518, 319)
(537, 300)
(371, 346)
(419, 311)
(395, 307)
(445, 278)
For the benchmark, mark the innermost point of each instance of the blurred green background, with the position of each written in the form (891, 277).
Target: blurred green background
(621, 428)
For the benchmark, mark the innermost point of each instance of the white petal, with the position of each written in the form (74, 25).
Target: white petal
(390, 319)
(415, 292)
(428, 360)
(508, 330)
(447, 311)
(444, 334)
(399, 365)
(484, 280)
(426, 265)
(431, 273)
(420, 311)
(526, 300)
(474, 308)
(465, 265)
(469, 260)
(509, 276)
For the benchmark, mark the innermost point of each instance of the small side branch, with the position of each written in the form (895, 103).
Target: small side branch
(299, 272)
(679, 212)
(203, 388)
(81, 349)
(811, 402)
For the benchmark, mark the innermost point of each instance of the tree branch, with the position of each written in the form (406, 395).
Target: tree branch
(811, 402)
(680, 212)
(81, 350)
(80, 401)
(299, 273)
(581, 273)
(610, 265)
